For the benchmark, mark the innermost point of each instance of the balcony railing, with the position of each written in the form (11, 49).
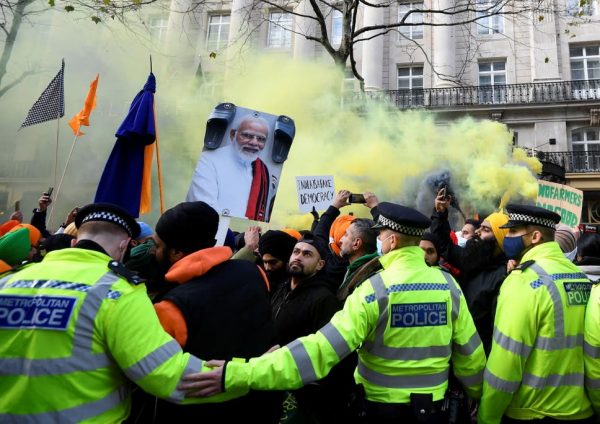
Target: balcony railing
(510, 94)
(572, 162)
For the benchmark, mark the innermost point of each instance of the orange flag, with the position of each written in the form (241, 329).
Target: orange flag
(83, 117)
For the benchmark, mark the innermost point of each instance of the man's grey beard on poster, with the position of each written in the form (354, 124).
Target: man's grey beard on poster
(243, 155)
(479, 254)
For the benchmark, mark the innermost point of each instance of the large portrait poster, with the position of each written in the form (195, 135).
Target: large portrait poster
(241, 162)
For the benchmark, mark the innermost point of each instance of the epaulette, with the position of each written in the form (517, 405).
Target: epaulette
(524, 265)
(122, 271)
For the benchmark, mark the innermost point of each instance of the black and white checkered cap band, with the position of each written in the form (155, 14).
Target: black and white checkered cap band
(403, 229)
(108, 217)
(532, 220)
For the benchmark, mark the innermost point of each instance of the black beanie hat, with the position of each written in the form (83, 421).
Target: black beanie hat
(433, 238)
(277, 243)
(188, 227)
(321, 246)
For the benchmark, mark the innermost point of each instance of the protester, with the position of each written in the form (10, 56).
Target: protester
(430, 243)
(566, 239)
(482, 264)
(403, 365)
(218, 308)
(467, 232)
(15, 246)
(359, 246)
(76, 327)
(301, 306)
(275, 248)
(588, 255)
(535, 369)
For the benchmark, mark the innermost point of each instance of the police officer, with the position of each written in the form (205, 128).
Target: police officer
(535, 369)
(77, 326)
(408, 322)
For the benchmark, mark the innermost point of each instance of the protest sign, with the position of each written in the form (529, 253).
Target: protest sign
(562, 199)
(317, 191)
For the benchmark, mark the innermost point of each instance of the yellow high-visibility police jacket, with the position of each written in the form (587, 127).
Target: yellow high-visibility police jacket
(408, 322)
(591, 348)
(535, 368)
(72, 335)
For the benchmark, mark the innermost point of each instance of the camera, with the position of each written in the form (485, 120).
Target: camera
(356, 198)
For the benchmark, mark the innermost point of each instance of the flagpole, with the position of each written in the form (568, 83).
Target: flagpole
(63, 174)
(158, 165)
(55, 161)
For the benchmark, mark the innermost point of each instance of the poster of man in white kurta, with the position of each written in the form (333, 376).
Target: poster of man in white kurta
(240, 165)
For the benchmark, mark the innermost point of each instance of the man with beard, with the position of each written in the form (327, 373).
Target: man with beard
(301, 306)
(481, 262)
(219, 308)
(358, 245)
(275, 248)
(233, 179)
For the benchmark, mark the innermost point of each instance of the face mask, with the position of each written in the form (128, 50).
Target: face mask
(513, 246)
(572, 254)
(380, 245)
(461, 241)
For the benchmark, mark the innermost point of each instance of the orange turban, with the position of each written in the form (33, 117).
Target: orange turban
(337, 230)
(34, 233)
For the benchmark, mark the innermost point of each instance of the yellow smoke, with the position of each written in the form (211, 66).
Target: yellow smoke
(376, 147)
(368, 146)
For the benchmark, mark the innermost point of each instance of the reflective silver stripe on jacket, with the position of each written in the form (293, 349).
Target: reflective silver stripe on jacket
(591, 351)
(469, 347)
(402, 381)
(193, 366)
(470, 380)
(592, 383)
(455, 292)
(4, 280)
(303, 362)
(510, 344)
(336, 340)
(151, 361)
(382, 302)
(500, 383)
(82, 358)
(553, 380)
(71, 415)
(559, 319)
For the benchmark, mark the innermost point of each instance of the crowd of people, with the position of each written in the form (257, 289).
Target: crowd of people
(397, 318)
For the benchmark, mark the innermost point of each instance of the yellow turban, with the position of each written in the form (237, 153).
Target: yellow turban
(496, 220)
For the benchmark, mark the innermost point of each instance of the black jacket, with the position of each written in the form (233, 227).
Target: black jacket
(480, 286)
(304, 310)
(301, 312)
(228, 314)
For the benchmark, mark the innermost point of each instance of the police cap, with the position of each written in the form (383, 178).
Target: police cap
(519, 215)
(401, 219)
(107, 212)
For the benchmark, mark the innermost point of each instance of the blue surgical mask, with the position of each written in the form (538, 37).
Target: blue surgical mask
(379, 244)
(514, 246)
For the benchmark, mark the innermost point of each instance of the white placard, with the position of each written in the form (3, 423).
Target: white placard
(315, 191)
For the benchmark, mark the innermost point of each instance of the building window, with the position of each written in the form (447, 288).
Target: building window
(585, 140)
(158, 26)
(280, 30)
(489, 17)
(585, 62)
(414, 28)
(336, 28)
(218, 32)
(579, 8)
(410, 86)
(492, 82)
